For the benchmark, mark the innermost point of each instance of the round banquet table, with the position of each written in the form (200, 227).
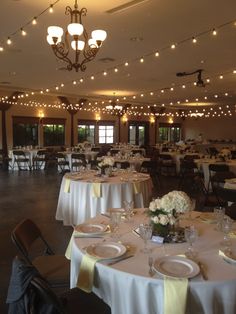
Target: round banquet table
(77, 202)
(127, 287)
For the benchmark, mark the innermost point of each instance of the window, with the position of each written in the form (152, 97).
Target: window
(106, 134)
(170, 133)
(25, 131)
(138, 133)
(53, 131)
(86, 132)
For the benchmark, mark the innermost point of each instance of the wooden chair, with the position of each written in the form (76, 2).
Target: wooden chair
(54, 268)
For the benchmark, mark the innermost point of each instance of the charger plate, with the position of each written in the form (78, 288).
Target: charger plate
(106, 250)
(176, 267)
(91, 229)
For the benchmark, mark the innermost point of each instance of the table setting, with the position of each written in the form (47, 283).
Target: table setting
(87, 193)
(136, 271)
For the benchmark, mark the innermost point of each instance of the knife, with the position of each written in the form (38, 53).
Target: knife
(120, 259)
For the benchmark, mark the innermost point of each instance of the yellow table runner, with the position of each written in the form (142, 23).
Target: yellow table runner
(86, 273)
(67, 186)
(136, 187)
(96, 189)
(175, 295)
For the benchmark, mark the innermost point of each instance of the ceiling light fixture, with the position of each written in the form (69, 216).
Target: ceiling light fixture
(83, 46)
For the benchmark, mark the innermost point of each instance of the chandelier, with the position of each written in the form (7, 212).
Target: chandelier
(85, 49)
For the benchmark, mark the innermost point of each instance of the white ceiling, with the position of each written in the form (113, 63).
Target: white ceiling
(29, 64)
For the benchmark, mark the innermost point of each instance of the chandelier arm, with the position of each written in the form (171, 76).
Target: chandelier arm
(61, 54)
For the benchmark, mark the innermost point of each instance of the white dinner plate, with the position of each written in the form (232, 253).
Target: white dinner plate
(106, 250)
(91, 229)
(176, 266)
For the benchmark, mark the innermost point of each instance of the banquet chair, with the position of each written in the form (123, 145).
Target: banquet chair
(74, 301)
(62, 162)
(40, 159)
(123, 164)
(217, 175)
(55, 268)
(233, 154)
(168, 166)
(188, 171)
(114, 151)
(212, 151)
(29, 292)
(21, 160)
(152, 167)
(229, 196)
(77, 160)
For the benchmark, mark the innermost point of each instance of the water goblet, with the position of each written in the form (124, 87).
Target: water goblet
(115, 220)
(128, 207)
(145, 231)
(219, 215)
(191, 235)
(226, 227)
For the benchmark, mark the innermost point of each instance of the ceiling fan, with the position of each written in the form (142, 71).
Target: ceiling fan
(199, 82)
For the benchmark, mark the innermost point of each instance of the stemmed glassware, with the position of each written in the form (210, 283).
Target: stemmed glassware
(191, 235)
(115, 220)
(226, 227)
(145, 231)
(128, 207)
(219, 215)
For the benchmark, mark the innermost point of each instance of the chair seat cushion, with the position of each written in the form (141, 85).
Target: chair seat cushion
(54, 268)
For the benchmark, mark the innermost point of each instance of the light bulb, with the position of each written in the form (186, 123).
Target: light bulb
(55, 31)
(99, 35)
(75, 29)
(79, 44)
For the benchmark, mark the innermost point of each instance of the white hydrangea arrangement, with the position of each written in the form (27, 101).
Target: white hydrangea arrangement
(164, 211)
(107, 161)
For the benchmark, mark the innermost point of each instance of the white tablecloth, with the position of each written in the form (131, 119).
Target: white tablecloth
(176, 156)
(29, 153)
(89, 155)
(128, 289)
(79, 204)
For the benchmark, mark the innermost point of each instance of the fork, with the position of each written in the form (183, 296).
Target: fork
(151, 271)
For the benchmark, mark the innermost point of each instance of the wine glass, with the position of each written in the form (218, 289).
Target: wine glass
(128, 206)
(115, 220)
(219, 215)
(145, 231)
(226, 226)
(191, 235)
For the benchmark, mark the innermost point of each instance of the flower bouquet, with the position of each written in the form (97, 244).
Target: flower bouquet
(165, 211)
(106, 162)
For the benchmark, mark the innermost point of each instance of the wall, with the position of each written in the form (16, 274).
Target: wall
(211, 128)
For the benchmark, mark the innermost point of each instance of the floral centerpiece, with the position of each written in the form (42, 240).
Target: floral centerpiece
(224, 154)
(106, 162)
(164, 211)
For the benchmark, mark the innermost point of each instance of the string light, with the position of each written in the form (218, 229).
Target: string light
(51, 8)
(34, 21)
(23, 32)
